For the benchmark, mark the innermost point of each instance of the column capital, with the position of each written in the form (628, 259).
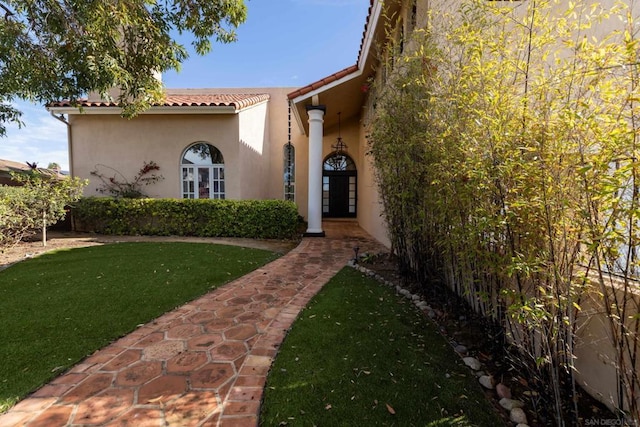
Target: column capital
(322, 108)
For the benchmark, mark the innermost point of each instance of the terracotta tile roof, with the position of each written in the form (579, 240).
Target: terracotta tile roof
(340, 74)
(323, 82)
(237, 100)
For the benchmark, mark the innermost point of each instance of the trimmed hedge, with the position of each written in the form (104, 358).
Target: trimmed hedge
(258, 219)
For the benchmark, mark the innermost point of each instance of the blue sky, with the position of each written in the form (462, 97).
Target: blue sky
(283, 43)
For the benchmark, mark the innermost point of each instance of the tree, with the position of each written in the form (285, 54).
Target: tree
(60, 49)
(40, 201)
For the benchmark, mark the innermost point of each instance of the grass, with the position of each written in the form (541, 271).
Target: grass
(62, 306)
(360, 355)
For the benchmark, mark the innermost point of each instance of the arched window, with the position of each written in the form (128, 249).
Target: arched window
(202, 168)
(289, 176)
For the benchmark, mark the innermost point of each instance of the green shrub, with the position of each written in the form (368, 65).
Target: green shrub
(261, 219)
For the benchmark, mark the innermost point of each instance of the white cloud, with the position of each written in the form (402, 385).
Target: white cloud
(42, 139)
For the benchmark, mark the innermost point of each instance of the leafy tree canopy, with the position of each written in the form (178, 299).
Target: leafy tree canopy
(64, 49)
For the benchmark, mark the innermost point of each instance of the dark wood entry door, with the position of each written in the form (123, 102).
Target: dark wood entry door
(338, 195)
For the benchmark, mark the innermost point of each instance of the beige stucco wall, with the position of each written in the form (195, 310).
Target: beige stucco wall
(370, 209)
(595, 355)
(275, 137)
(125, 145)
(254, 155)
(349, 134)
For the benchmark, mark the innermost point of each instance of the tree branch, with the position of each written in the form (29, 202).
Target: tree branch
(7, 12)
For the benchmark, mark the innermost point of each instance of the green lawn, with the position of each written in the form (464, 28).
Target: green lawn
(62, 306)
(361, 355)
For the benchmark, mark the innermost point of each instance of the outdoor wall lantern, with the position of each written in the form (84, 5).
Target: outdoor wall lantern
(339, 147)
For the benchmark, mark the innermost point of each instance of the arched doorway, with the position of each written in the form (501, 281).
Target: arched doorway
(339, 186)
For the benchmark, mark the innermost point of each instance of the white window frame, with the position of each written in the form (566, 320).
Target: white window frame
(202, 181)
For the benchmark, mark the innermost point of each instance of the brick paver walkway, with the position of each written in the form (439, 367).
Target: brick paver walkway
(204, 364)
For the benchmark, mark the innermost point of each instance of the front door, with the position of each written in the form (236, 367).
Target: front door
(339, 186)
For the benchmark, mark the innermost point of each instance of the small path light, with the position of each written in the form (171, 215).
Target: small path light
(356, 249)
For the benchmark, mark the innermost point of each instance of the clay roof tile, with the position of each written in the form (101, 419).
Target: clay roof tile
(237, 100)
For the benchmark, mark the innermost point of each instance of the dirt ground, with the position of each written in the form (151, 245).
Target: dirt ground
(63, 240)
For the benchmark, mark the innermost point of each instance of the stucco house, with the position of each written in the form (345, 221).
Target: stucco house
(306, 144)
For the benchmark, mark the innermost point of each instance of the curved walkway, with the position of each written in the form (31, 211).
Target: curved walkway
(203, 364)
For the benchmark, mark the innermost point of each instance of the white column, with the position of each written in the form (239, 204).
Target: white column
(314, 213)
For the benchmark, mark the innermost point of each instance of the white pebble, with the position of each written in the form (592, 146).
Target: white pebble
(509, 404)
(472, 362)
(518, 416)
(486, 381)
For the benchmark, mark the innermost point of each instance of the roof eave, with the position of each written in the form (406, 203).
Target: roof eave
(369, 36)
(324, 88)
(367, 43)
(187, 109)
(308, 95)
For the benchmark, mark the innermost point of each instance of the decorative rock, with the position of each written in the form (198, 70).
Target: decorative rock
(415, 297)
(405, 292)
(518, 416)
(431, 314)
(509, 404)
(522, 425)
(503, 391)
(460, 349)
(486, 381)
(472, 362)
(530, 393)
(480, 373)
